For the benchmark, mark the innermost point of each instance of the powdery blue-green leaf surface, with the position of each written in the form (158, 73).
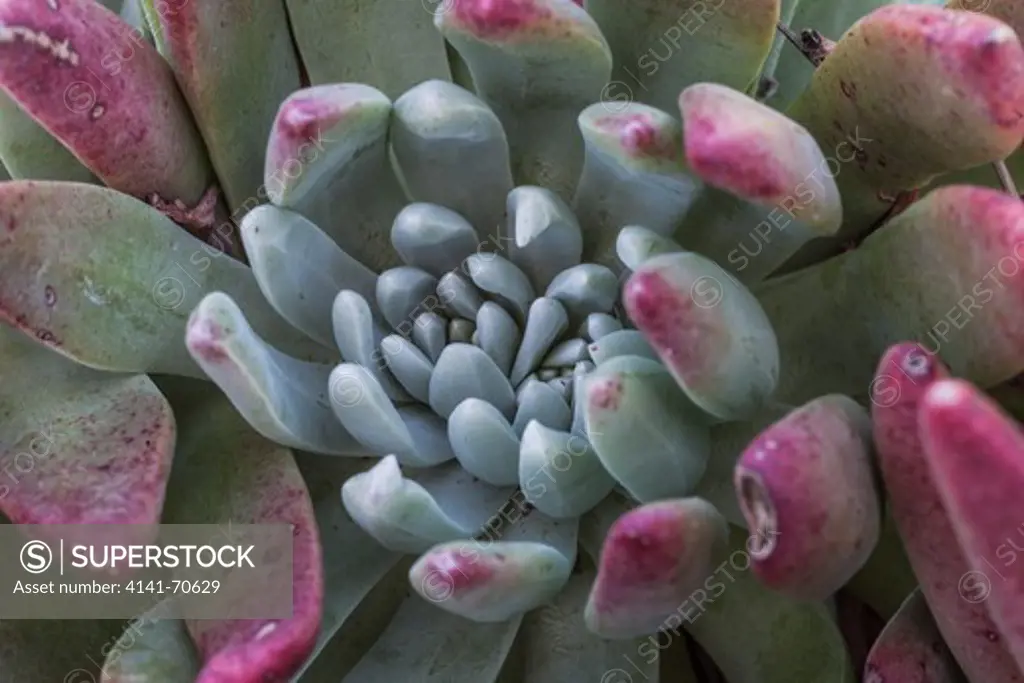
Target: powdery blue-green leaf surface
(662, 46)
(633, 405)
(426, 644)
(355, 41)
(234, 63)
(327, 159)
(410, 513)
(511, 50)
(283, 398)
(109, 282)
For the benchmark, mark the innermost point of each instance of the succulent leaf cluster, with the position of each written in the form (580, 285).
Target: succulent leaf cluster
(674, 341)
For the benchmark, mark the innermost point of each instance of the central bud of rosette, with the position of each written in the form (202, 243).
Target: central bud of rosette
(486, 337)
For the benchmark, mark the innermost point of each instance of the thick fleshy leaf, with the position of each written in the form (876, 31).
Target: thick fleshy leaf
(29, 152)
(417, 436)
(406, 515)
(300, 269)
(621, 343)
(945, 273)
(973, 452)
(465, 371)
(354, 563)
(460, 297)
(234, 63)
(408, 365)
(653, 559)
(965, 69)
(539, 401)
(633, 172)
(428, 645)
(711, 333)
(224, 472)
(566, 354)
(430, 334)
(327, 159)
(358, 335)
(636, 244)
(662, 46)
(728, 441)
(109, 98)
(355, 41)
(634, 406)
(585, 289)
(485, 444)
(910, 648)
(598, 326)
(452, 151)
(545, 323)
(769, 185)
(109, 282)
(544, 234)
(502, 281)
(537, 64)
(806, 487)
(559, 472)
(401, 292)
(155, 648)
(79, 446)
(497, 335)
(433, 238)
(904, 375)
(787, 641)
(505, 578)
(284, 399)
(578, 655)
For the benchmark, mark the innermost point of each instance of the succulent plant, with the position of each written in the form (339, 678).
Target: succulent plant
(576, 341)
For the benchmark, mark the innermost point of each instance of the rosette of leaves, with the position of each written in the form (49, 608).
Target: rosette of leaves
(436, 207)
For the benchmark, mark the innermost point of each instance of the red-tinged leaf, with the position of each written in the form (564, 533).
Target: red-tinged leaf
(108, 96)
(974, 455)
(910, 648)
(806, 487)
(225, 472)
(904, 375)
(915, 91)
(78, 446)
